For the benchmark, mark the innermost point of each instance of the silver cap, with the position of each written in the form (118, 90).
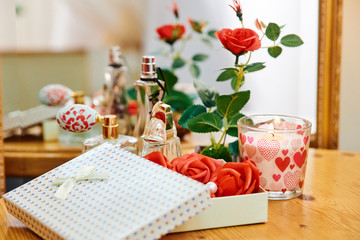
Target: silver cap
(148, 68)
(115, 55)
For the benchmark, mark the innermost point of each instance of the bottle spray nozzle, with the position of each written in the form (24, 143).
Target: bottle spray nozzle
(81, 118)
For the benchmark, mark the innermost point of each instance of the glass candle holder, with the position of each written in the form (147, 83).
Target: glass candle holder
(278, 145)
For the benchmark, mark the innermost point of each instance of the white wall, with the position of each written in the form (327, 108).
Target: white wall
(287, 85)
(350, 79)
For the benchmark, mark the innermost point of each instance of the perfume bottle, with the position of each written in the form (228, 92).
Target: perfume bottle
(160, 133)
(67, 138)
(80, 118)
(114, 92)
(149, 90)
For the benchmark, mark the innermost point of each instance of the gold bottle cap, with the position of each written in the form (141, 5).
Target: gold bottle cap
(110, 127)
(78, 97)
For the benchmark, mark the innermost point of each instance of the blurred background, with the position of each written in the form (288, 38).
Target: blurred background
(63, 41)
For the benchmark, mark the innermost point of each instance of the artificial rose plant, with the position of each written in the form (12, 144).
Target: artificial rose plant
(220, 113)
(176, 37)
(230, 178)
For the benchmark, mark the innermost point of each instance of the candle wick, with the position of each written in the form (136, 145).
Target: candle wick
(272, 134)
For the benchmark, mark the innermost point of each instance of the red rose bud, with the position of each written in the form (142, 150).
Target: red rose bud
(159, 158)
(236, 178)
(196, 166)
(197, 26)
(239, 41)
(257, 24)
(171, 32)
(237, 9)
(175, 10)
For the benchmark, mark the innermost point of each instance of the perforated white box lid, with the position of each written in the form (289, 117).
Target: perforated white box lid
(140, 200)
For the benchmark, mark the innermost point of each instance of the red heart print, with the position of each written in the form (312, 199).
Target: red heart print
(250, 150)
(301, 183)
(250, 139)
(283, 190)
(305, 139)
(285, 152)
(291, 180)
(292, 166)
(301, 132)
(299, 158)
(268, 149)
(260, 173)
(242, 138)
(276, 177)
(282, 164)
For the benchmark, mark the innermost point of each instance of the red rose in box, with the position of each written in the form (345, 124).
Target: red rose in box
(231, 178)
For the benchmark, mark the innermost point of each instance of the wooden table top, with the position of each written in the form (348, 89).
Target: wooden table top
(328, 209)
(31, 157)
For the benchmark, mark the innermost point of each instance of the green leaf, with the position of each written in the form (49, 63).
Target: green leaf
(272, 31)
(205, 123)
(254, 67)
(207, 41)
(235, 69)
(207, 95)
(178, 63)
(232, 125)
(132, 93)
(226, 75)
(200, 57)
(274, 51)
(189, 113)
(234, 148)
(170, 78)
(234, 82)
(178, 101)
(194, 70)
(291, 40)
(229, 105)
(217, 113)
(212, 32)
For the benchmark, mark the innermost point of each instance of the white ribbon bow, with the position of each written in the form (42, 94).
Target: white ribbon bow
(67, 184)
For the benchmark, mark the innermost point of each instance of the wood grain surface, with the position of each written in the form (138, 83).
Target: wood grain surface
(31, 157)
(328, 209)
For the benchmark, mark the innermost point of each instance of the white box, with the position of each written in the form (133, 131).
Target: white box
(230, 211)
(140, 200)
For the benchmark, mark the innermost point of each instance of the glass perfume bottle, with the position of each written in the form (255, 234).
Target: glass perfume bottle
(114, 93)
(149, 90)
(160, 133)
(67, 138)
(80, 118)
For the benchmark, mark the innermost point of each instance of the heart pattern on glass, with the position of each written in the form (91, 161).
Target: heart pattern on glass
(268, 149)
(299, 158)
(282, 164)
(291, 180)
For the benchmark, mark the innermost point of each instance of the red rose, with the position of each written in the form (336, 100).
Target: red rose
(132, 107)
(239, 40)
(236, 178)
(159, 158)
(196, 166)
(171, 32)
